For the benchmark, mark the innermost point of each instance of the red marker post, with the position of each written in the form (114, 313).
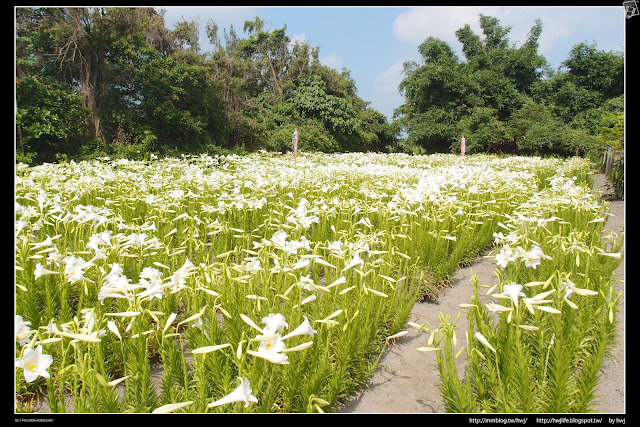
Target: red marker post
(462, 146)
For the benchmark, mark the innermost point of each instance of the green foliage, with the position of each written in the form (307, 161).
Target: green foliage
(484, 132)
(616, 178)
(311, 99)
(504, 98)
(611, 134)
(564, 97)
(313, 139)
(431, 130)
(50, 120)
(179, 101)
(537, 130)
(596, 71)
(144, 89)
(149, 90)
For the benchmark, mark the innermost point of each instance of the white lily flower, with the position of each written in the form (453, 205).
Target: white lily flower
(307, 283)
(74, 268)
(21, 327)
(155, 289)
(498, 308)
(165, 409)
(210, 348)
(34, 364)
(253, 266)
(301, 264)
(270, 343)
(117, 381)
(41, 271)
(46, 242)
(240, 394)
(335, 247)
(354, 262)
(580, 291)
(505, 256)
(271, 356)
(308, 299)
(274, 323)
(250, 322)
(170, 320)
(300, 347)
(337, 282)
(484, 341)
(113, 328)
(548, 309)
(533, 257)
(304, 329)
(513, 291)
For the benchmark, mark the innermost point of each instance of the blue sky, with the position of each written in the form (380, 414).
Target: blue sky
(373, 42)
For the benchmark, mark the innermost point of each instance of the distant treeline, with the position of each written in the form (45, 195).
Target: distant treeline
(116, 82)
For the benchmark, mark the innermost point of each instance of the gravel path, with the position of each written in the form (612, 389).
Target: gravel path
(406, 381)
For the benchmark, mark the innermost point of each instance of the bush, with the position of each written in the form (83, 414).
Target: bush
(616, 178)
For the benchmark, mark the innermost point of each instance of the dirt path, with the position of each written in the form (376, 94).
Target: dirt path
(406, 381)
(613, 380)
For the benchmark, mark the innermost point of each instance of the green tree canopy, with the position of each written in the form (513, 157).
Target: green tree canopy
(116, 81)
(503, 97)
(94, 81)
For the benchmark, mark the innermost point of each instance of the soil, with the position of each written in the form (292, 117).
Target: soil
(406, 380)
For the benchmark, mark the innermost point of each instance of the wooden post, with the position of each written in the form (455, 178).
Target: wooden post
(608, 160)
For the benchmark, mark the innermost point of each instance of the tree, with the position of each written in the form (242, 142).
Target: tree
(50, 120)
(186, 35)
(564, 97)
(588, 87)
(115, 81)
(597, 71)
(273, 85)
(484, 132)
(520, 66)
(267, 51)
(180, 102)
(446, 98)
(82, 37)
(611, 132)
(311, 99)
(537, 130)
(611, 135)
(436, 93)
(77, 47)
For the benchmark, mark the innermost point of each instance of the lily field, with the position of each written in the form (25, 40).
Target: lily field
(264, 283)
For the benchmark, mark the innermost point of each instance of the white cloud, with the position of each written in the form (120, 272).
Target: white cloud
(221, 15)
(561, 26)
(387, 81)
(415, 25)
(386, 95)
(564, 25)
(333, 61)
(298, 38)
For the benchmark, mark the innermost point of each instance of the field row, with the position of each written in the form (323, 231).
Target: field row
(263, 283)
